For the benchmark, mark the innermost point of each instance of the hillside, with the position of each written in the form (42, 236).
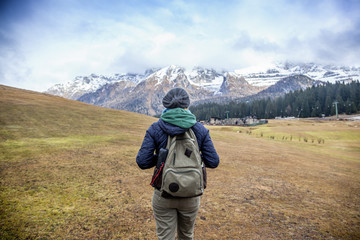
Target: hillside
(60, 163)
(31, 114)
(68, 171)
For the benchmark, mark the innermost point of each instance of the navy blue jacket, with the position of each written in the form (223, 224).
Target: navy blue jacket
(156, 137)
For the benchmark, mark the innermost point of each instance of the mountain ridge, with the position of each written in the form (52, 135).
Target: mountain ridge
(143, 93)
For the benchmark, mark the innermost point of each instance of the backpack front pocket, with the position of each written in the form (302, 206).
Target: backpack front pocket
(182, 183)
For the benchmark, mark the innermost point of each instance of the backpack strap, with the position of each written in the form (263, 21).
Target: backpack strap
(170, 140)
(193, 136)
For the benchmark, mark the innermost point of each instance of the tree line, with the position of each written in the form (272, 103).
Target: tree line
(316, 101)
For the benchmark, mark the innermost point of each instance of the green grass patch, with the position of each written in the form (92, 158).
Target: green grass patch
(340, 139)
(32, 147)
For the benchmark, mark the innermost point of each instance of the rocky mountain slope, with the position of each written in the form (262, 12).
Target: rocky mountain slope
(287, 84)
(143, 93)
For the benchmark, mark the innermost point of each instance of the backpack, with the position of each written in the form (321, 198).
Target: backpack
(180, 171)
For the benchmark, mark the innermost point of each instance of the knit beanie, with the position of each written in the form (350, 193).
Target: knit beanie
(176, 98)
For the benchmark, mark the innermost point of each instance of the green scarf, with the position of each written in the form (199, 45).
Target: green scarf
(179, 117)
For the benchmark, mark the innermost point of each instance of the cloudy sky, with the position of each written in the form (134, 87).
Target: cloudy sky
(44, 42)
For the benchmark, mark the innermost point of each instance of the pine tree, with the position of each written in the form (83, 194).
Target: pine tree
(312, 102)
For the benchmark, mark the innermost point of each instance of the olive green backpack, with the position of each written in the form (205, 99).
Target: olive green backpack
(183, 172)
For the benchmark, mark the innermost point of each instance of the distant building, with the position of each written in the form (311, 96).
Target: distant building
(215, 121)
(248, 121)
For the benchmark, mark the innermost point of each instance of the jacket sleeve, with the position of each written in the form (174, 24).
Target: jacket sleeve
(207, 149)
(209, 154)
(146, 157)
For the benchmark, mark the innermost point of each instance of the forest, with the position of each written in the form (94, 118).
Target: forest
(317, 101)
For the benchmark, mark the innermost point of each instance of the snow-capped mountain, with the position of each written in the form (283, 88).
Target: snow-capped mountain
(286, 85)
(143, 93)
(208, 79)
(88, 84)
(146, 96)
(269, 75)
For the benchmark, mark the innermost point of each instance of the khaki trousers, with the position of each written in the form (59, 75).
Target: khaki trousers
(172, 214)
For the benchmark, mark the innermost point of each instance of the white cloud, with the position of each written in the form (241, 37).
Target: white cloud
(59, 42)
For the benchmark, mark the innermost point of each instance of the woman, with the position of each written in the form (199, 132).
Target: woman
(175, 213)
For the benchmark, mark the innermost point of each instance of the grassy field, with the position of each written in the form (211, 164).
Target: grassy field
(68, 171)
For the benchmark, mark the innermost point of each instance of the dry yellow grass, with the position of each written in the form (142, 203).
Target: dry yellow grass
(286, 189)
(68, 171)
